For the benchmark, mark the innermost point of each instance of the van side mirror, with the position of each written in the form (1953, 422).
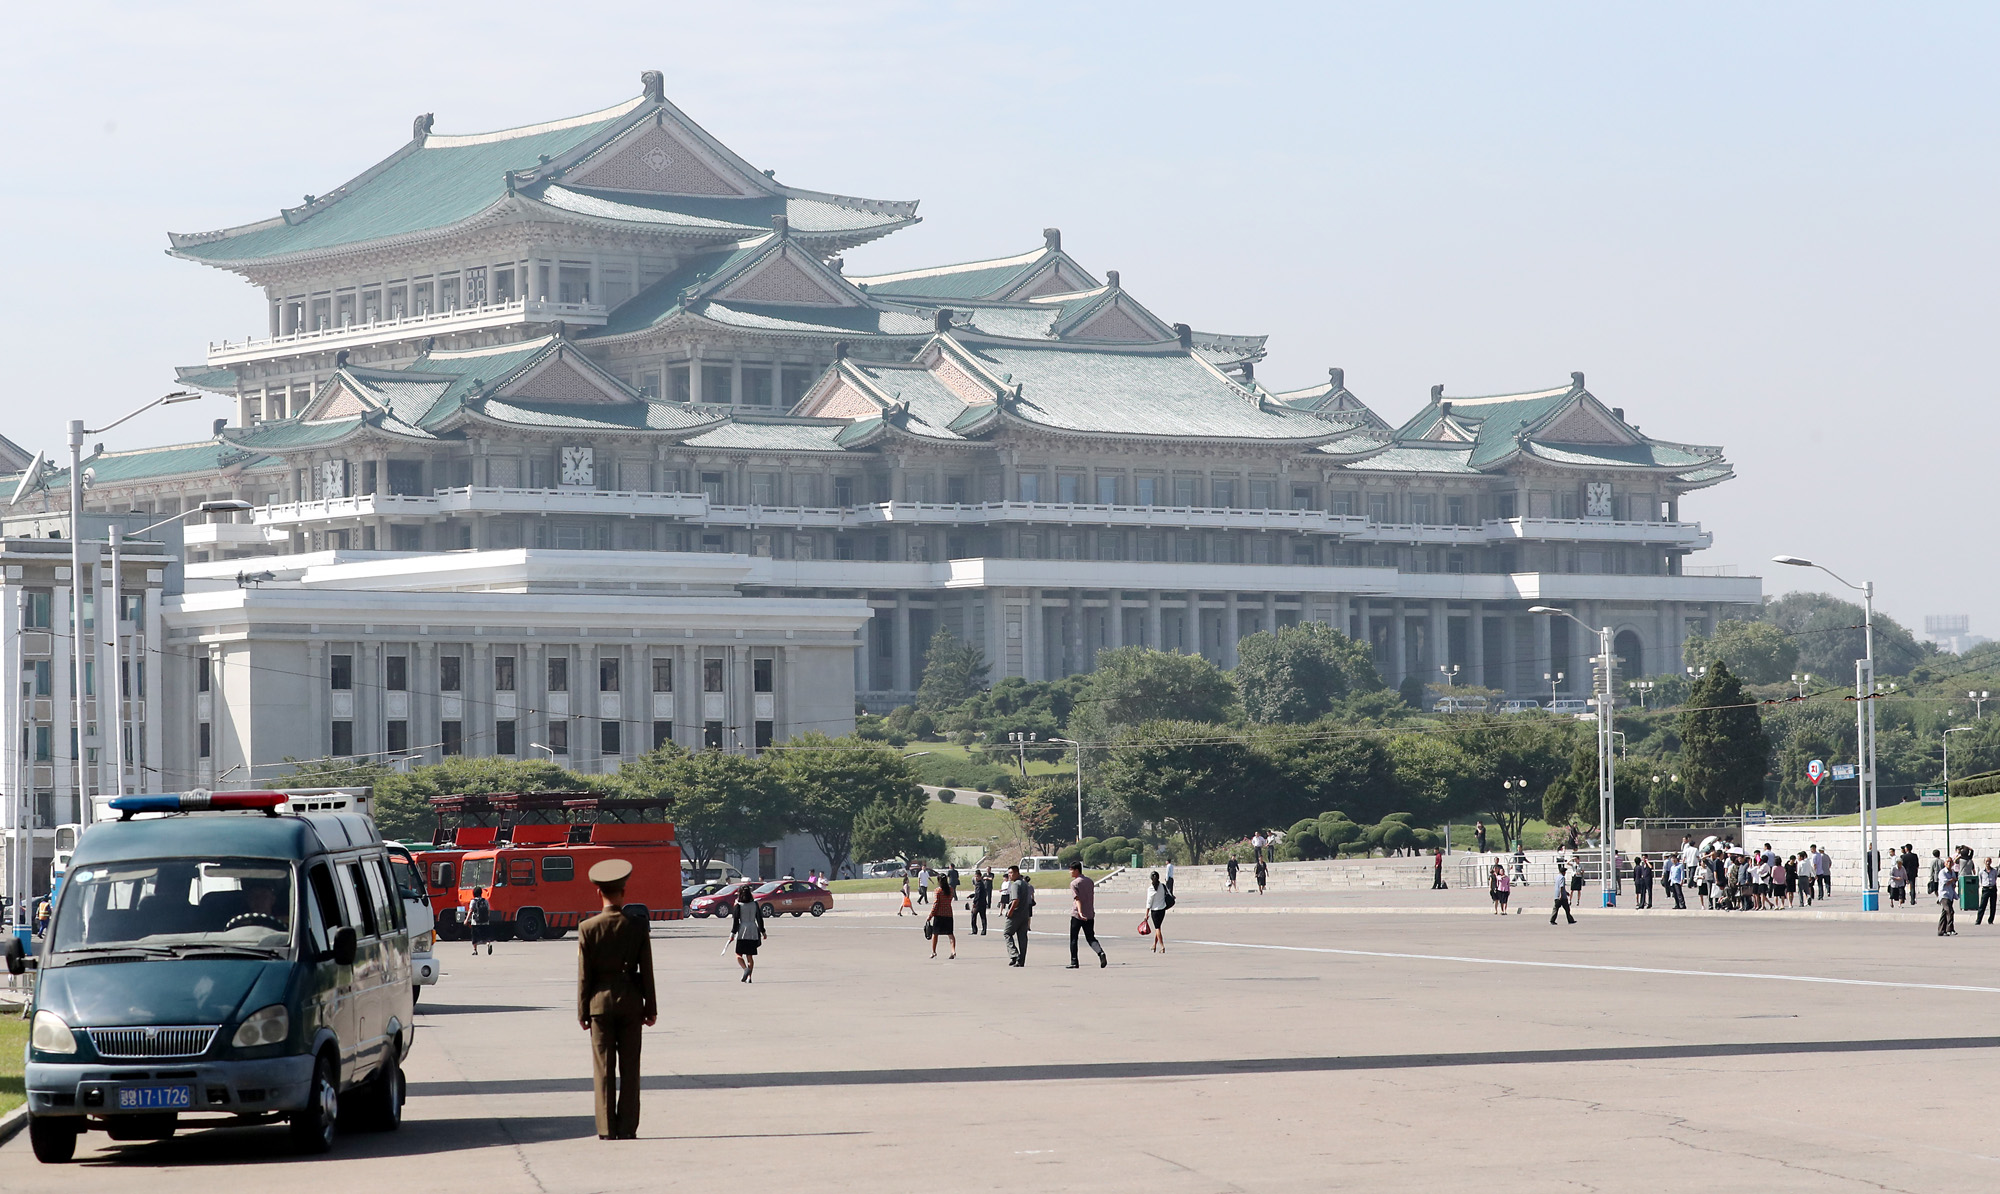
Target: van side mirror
(17, 958)
(343, 946)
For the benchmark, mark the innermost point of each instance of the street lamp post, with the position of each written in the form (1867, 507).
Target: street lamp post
(1554, 679)
(1450, 671)
(110, 618)
(539, 746)
(1979, 699)
(1947, 784)
(1079, 782)
(77, 433)
(1642, 687)
(1864, 730)
(1802, 680)
(1607, 797)
(1022, 741)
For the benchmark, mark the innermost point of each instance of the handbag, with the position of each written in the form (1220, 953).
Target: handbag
(1145, 926)
(1170, 898)
(927, 930)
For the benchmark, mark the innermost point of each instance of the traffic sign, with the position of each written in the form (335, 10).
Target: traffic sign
(1931, 795)
(1843, 771)
(1753, 816)
(1815, 771)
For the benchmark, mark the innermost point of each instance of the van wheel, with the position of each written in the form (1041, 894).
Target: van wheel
(313, 1125)
(528, 924)
(54, 1139)
(818, 909)
(379, 1105)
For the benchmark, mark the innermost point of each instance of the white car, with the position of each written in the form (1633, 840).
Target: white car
(1041, 862)
(888, 869)
(1571, 707)
(1521, 707)
(1460, 704)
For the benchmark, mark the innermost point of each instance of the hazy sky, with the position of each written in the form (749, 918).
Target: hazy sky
(1770, 228)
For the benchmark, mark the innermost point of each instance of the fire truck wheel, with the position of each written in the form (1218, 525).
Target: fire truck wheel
(553, 933)
(528, 924)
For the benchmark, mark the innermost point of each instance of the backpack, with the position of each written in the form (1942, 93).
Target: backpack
(1170, 896)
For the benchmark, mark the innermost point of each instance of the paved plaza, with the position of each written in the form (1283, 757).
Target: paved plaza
(1376, 1049)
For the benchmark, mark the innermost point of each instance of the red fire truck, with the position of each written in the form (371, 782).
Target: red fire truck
(533, 853)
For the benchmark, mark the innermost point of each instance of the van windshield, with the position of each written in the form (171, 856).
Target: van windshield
(227, 902)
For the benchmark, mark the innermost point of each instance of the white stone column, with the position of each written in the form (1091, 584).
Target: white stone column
(1544, 658)
(1232, 628)
(1032, 633)
(1399, 647)
(1153, 636)
(1114, 618)
(1437, 637)
(1475, 644)
(903, 674)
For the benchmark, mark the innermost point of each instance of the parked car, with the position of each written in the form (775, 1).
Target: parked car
(722, 901)
(1571, 707)
(796, 896)
(1041, 862)
(694, 891)
(1460, 704)
(888, 869)
(1520, 707)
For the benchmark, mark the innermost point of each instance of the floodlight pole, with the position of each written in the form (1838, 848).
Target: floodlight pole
(1079, 782)
(1607, 795)
(1864, 732)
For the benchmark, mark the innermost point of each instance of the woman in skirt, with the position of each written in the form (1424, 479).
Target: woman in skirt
(941, 916)
(747, 929)
(1156, 910)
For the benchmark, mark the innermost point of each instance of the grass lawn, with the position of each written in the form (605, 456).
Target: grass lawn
(1965, 810)
(964, 823)
(13, 1041)
(1041, 879)
(1035, 766)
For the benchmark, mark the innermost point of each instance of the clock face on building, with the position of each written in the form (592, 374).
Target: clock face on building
(578, 466)
(1597, 499)
(333, 478)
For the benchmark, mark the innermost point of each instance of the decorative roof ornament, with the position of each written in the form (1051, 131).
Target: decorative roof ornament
(941, 319)
(782, 226)
(1437, 393)
(1186, 335)
(840, 348)
(1576, 380)
(1052, 239)
(1111, 278)
(340, 359)
(1337, 378)
(654, 85)
(421, 126)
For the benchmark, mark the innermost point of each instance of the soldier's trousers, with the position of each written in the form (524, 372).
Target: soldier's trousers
(614, 1071)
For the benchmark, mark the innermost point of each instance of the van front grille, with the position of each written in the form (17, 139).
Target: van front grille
(182, 1041)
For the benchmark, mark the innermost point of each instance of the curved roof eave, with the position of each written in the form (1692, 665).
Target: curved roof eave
(1026, 424)
(470, 412)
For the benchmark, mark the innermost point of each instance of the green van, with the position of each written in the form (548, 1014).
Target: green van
(235, 964)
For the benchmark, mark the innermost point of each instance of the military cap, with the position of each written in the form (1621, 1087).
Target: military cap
(611, 870)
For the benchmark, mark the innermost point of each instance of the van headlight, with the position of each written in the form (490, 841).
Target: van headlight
(424, 942)
(51, 1035)
(266, 1026)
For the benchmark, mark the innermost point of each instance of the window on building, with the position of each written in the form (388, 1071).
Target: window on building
(503, 736)
(757, 387)
(201, 674)
(503, 673)
(204, 741)
(396, 673)
(340, 673)
(1420, 509)
(1030, 487)
(957, 490)
(678, 384)
(397, 740)
(450, 673)
(343, 738)
(764, 489)
(763, 738)
(559, 737)
(607, 674)
(1107, 491)
(1145, 491)
(663, 675)
(1508, 507)
(39, 607)
(1068, 487)
(1378, 507)
(797, 382)
(879, 488)
(711, 484)
(1302, 497)
(1222, 493)
(558, 674)
(1261, 495)
(718, 384)
(451, 737)
(607, 737)
(715, 542)
(711, 675)
(711, 735)
(761, 674)
(1566, 504)
(649, 386)
(41, 677)
(1187, 549)
(1454, 511)
(45, 743)
(503, 286)
(843, 491)
(663, 734)
(1185, 491)
(132, 607)
(917, 488)
(448, 294)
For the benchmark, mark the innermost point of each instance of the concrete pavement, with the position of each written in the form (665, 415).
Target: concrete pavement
(1268, 1052)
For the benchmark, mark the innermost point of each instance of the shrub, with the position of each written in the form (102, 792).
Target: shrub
(1070, 854)
(1304, 843)
(1405, 818)
(1427, 839)
(1397, 836)
(947, 795)
(1351, 849)
(1336, 833)
(985, 800)
(1095, 854)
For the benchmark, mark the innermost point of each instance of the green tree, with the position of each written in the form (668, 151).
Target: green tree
(1320, 767)
(1535, 749)
(1759, 652)
(1724, 750)
(953, 670)
(1037, 806)
(1300, 672)
(830, 780)
(1194, 778)
(721, 802)
(1133, 685)
(1828, 632)
(402, 799)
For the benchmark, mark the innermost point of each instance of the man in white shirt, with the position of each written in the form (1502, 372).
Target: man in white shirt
(1170, 875)
(924, 884)
(1989, 880)
(1257, 845)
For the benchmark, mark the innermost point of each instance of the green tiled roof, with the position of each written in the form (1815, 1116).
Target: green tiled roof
(1640, 455)
(832, 320)
(1503, 425)
(201, 377)
(749, 216)
(1414, 458)
(970, 280)
(292, 433)
(775, 437)
(1163, 392)
(931, 408)
(629, 416)
(173, 460)
(1035, 322)
(662, 300)
(415, 190)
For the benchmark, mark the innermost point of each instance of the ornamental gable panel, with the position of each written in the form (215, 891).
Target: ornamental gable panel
(1053, 282)
(1580, 426)
(1112, 324)
(561, 381)
(344, 403)
(656, 162)
(845, 401)
(962, 384)
(781, 281)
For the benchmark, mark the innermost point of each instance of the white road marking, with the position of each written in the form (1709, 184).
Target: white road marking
(1781, 978)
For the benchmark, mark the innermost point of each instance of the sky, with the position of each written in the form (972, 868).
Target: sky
(1768, 227)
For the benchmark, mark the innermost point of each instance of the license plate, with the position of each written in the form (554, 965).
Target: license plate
(155, 1098)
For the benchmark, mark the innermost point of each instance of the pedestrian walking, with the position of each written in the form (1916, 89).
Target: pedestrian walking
(1989, 878)
(1083, 915)
(1506, 888)
(479, 921)
(1494, 874)
(1479, 836)
(747, 933)
(1263, 875)
(1437, 870)
(1642, 883)
(615, 999)
(906, 906)
(951, 877)
(1020, 910)
(1232, 873)
(1520, 865)
(1257, 841)
(1158, 900)
(1562, 894)
(924, 885)
(1823, 871)
(1677, 882)
(1896, 881)
(940, 922)
(982, 899)
(1170, 874)
(1947, 898)
(43, 911)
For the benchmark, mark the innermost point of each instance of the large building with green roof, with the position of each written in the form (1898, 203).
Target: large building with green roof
(612, 339)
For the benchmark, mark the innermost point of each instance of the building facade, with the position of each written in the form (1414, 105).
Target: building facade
(605, 366)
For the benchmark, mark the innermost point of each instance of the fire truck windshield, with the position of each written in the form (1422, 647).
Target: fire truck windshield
(476, 872)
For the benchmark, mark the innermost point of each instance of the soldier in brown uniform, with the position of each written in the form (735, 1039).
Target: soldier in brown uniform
(614, 996)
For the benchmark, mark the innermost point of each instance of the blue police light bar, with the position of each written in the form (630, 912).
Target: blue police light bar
(187, 802)
(169, 803)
